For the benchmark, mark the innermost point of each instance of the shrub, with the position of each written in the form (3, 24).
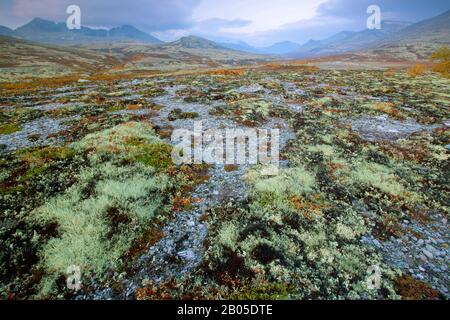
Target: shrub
(412, 289)
(9, 128)
(416, 70)
(442, 61)
(177, 114)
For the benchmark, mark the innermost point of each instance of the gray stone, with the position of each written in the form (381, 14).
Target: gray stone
(384, 128)
(427, 253)
(187, 255)
(376, 243)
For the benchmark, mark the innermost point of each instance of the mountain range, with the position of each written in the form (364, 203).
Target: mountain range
(279, 48)
(411, 40)
(348, 41)
(44, 31)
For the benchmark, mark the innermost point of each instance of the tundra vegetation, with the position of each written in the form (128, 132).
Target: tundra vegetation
(98, 192)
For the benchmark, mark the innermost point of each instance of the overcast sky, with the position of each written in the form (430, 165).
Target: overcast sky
(258, 22)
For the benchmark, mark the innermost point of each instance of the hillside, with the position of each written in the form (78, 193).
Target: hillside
(348, 41)
(279, 48)
(186, 53)
(4, 31)
(193, 42)
(24, 59)
(396, 40)
(417, 41)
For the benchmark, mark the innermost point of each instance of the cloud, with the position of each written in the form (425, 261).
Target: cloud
(333, 16)
(406, 10)
(149, 15)
(218, 24)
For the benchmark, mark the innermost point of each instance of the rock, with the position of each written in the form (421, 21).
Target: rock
(376, 243)
(428, 254)
(191, 223)
(420, 242)
(187, 255)
(384, 128)
(433, 250)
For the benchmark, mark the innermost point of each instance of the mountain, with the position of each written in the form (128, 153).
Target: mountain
(4, 31)
(240, 46)
(279, 48)
(130, 32)
(436, 29)
(417, 41)
(49, 32)
(41, 25)
(348, 41)
(193, 42)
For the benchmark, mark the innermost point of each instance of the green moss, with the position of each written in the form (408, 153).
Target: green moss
(41, 155)
(9, 128)
(116, 107)
(154, 155)
(134, 141)
(177, 114)
(32, 172)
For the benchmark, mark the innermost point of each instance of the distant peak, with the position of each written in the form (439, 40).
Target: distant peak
(195, 42)
(39, 24)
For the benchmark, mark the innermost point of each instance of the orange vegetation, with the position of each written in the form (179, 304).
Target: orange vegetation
(228, 72)
(412, 289)
(388, 108)
(134, 107)
(442, 59)
(416, 70)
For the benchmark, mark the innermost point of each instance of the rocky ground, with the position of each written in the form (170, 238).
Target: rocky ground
(363, 181)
